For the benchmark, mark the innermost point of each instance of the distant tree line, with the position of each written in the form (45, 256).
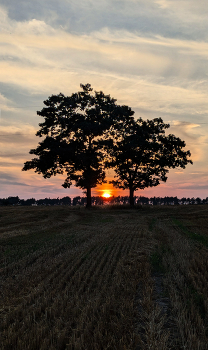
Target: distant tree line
(98, 200)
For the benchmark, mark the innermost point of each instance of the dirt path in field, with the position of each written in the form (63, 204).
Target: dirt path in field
(178, 284)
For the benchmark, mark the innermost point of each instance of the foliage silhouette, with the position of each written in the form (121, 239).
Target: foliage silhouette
(141, 155)
(76, 130)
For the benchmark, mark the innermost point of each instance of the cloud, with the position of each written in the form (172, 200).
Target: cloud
(15, 136)
(194, 187)
(194, 8)
(10, 164)
(6, 178)
(54, 51)
(162, 3)
(174, 18)
(3, 100)
(15, 145)
(148, 54)
(10, 154)
(194, 136)
(13, 183)
(39, 57)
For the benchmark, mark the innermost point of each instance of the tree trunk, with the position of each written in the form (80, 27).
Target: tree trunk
(131, 196)
(88, 197)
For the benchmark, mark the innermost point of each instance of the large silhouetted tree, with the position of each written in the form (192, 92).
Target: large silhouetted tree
(142, 155)
(75, 130)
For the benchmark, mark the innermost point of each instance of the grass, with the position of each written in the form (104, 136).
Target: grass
(156, 258)
(107, 278)
(193, 235)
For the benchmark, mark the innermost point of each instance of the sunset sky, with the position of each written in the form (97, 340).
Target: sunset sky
(151, 55)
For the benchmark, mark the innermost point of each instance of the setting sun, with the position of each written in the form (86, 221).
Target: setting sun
(106, 195)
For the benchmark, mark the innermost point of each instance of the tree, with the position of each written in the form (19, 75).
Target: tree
(141, 155)
(76, 129)
(76, 200)
(28, 201)
(65, 200)
(10, 201)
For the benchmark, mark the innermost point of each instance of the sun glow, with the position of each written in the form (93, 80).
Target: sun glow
(106, 195)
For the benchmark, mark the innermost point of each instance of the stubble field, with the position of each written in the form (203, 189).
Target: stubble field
(105, 278)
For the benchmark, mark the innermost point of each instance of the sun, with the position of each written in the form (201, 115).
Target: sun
(106, 195)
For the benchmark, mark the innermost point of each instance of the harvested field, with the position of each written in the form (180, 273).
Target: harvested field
(105, 278)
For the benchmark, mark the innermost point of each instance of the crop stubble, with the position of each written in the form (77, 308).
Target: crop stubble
(102, 279)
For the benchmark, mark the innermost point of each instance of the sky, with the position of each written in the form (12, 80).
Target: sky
(151, 55)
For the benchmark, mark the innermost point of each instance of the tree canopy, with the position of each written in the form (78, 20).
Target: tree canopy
(142, 155)
(86, 132)
(75, 130)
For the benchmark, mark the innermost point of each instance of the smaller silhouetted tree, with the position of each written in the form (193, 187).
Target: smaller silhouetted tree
(28, 201)
(198, 200)
(76, 201)
(65, 200)
(141, 155)
(10, 201)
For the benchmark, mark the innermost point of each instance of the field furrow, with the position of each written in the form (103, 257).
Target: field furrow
(104, 279)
